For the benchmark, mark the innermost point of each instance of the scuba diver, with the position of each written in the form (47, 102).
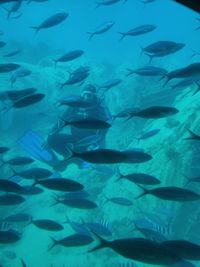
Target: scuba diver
(79, 139)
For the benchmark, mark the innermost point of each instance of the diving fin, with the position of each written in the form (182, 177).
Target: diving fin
(33, 144)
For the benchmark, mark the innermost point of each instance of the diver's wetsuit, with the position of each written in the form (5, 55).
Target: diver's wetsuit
(97, 111)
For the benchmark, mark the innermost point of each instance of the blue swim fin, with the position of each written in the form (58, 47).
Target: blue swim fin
(33, 144)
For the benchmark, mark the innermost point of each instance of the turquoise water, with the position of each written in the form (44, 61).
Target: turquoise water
(35, 130)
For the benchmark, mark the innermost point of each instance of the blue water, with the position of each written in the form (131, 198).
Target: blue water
(37, 130)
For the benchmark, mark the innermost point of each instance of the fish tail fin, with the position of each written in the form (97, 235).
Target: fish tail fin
(187, 180)
(65, 122)
(62, 85)
(3, 163)
(106, 199)
(118, 173)
(145, 191)
(56, 201)
(123, 35)
(36, 181)
(198, 87)
(151, 56)
(130, 71)
(5, 109)
(15, 173)
(9, 12)
(91, 35)
(130, 116)
(142, 51)
(163, 77)
(192, 135)
(102, 243)
(54, 243)
(36, 28)
(23, 262)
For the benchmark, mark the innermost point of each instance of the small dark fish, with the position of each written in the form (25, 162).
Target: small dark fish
(146, 228)
(18, 218)
(171, 193)
(48, 225)
(60, 184)
(14, 8)
(76, 78)
(154, 112)
(110, 84)
(25, 101)
(69, 56)
(139, 249)
(2, 44)
(8, 67)
(119, 200)
(190, 71)
(88, 123)
(148, 134)
(106, 2)
(98, 228)
(4, 149)
(9, 236)
(17, 161)
(14, 95)
(80, 71)
(193, 136)
(140, 178)
(110, 156)
(13, 53)
(163, 47)
(79, 228)
(11, 199)
(51, 21)
(75, 240)
(20, 73)
(77, 194)
(33, 173)
(101, 29)
(10, 186)
(138, 30)
(148, 71)
(81, 203)
(187, 250)
(75, 101)
(183, 83)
